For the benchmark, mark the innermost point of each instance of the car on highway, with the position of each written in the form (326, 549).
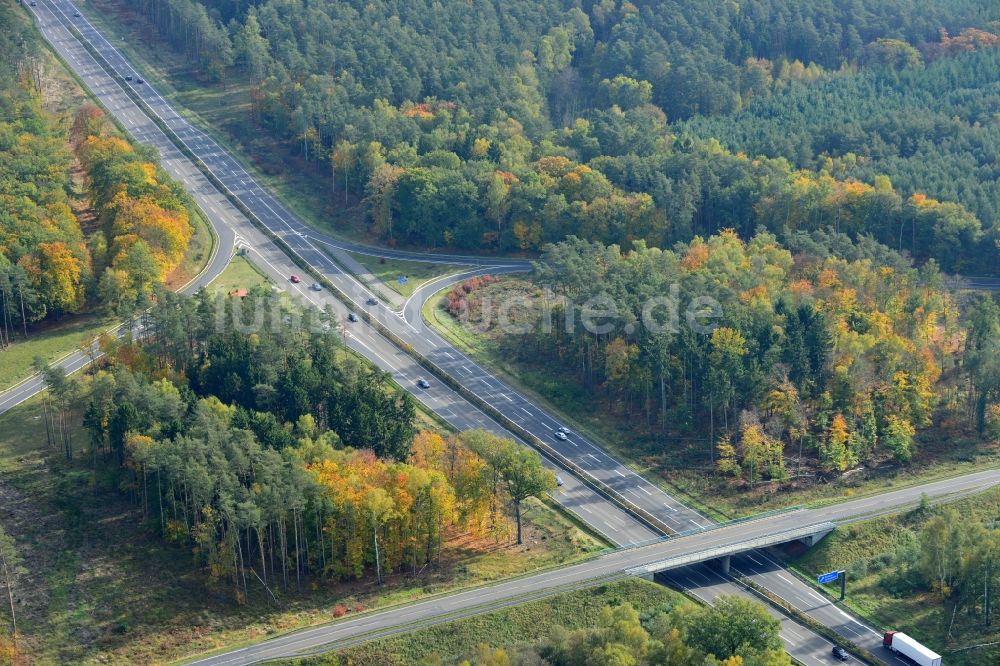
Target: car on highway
(33, 3)
(559, 480)
(128, 77)
(840, 653)
(423, 383)
(560, 435)
(295, 278)
(371, 301)
(316, 286)
(139, 81)
(351, 316)
(563, 429)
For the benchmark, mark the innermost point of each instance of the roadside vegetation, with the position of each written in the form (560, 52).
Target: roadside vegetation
(563, 128)
(932, 572)
(239, 274)
(414, 273)
(817, 377)
(87, 230)
(627, 622)
(159, 512)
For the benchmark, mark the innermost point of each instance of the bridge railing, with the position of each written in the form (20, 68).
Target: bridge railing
(733, 548)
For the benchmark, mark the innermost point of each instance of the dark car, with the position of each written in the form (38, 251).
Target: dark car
(128, 77)
(76, 14)
(33, 3)
(139, 81)
(423, 383)
(840, 653)
(351, 316)
(371, 301)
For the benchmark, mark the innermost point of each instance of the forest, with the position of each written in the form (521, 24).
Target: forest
(839, 351)
(623, 121)
(274, 455)
(56, 258)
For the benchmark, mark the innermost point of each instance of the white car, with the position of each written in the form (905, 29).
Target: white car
(564, 430)
(560, 435)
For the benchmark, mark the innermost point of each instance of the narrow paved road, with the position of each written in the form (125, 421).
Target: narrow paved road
(798, 640)
(67, 33)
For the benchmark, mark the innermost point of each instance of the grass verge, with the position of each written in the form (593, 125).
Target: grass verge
(223, 110)
(414, 273)
(103, 589)
(883, 586)
(240, 273)
(508, 628)
(51, 342)
(687, 476)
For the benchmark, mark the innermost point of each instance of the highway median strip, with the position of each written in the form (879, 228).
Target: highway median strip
(801, 618)
(591, 481)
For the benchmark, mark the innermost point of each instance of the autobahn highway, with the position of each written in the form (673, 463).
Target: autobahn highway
(56, 21)
(57, 18)
(234, 229)
(307, 244)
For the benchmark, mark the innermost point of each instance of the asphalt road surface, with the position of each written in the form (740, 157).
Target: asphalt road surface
(234, 229)
(797, 639)
(56, 20)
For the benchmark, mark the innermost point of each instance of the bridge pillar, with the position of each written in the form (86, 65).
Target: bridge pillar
(724, 564)
(814, 539)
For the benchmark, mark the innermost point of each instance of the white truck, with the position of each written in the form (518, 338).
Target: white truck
(903, 645)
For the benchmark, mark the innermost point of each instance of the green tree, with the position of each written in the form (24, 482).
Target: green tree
(10, 567)
(732, 626)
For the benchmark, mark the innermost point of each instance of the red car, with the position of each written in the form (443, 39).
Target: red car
(296, 279)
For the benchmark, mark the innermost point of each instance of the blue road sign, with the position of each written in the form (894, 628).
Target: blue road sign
(828, 577)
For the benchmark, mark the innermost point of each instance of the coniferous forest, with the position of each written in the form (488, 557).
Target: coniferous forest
(622, 121)
(826, 173)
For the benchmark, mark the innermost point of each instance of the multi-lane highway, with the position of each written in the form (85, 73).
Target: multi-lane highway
(106, 76)
(57, 23)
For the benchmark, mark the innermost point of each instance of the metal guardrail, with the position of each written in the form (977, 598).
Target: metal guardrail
(732, 548)
(596, 484)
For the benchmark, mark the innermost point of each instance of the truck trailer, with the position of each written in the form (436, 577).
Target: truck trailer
(903, 645)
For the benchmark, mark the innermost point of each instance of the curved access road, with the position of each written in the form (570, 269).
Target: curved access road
(105, 75)
(59, 26)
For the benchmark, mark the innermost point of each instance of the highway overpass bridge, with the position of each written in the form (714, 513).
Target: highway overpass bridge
(698, 545)
(808, 534)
